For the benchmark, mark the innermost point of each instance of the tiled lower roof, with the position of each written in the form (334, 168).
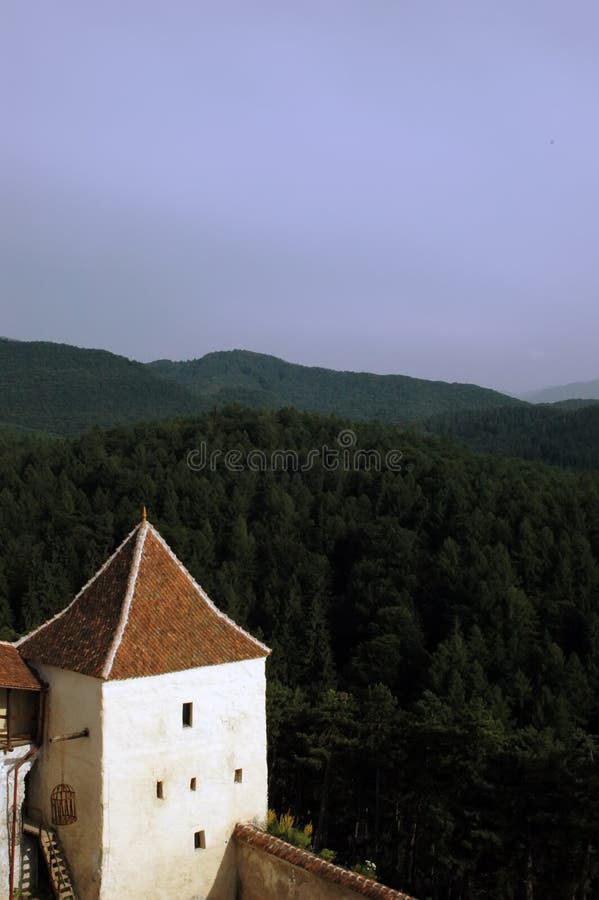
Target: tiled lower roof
(13, 671)
(359, 884)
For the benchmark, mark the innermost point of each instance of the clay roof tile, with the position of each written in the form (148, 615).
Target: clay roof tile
(141, 614)
(14, 673)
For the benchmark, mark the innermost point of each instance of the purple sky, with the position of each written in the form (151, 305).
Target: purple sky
(406, 186)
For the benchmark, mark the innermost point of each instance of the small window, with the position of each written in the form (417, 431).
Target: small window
(159, 790)
(199, 840)
(187, 715)
(192, 784)
(238, 776)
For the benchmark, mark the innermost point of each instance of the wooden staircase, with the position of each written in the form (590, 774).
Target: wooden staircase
(56, 861)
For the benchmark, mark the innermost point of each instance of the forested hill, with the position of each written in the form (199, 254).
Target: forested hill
(256, 379)
(563, 434)
(433, 700)
(64, 390)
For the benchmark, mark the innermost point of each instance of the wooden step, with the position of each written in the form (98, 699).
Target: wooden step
(56, 861)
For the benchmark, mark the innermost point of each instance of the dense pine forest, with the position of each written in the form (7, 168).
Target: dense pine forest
(565, 434)
(434, 682)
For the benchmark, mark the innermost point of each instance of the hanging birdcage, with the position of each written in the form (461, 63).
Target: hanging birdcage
(62, 804)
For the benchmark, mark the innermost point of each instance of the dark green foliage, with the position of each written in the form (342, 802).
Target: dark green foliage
(573, 404)
(563, 434)
(433, 688)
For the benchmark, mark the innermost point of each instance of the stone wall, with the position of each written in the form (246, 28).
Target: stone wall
(271, 869)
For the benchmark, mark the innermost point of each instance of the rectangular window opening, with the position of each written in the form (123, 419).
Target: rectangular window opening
(187, 715)
(159, 790)
(238, 776)
(199, 840)
(192, 784)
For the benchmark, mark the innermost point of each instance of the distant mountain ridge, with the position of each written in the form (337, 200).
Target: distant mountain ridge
(268, 381)
(577, 390)
(63, 389)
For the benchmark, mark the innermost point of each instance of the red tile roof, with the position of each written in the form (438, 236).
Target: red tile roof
(358, 884)
(13, 671)
(141, 614)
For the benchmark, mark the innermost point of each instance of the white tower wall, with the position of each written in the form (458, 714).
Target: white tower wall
(149, 850)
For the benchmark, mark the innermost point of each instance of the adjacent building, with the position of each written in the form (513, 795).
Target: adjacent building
(21, 707)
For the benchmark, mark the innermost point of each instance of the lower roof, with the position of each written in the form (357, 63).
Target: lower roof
(14, 673)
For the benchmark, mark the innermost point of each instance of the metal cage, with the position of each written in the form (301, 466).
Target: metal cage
(62, 804)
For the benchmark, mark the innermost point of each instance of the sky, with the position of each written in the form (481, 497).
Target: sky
(407, 186)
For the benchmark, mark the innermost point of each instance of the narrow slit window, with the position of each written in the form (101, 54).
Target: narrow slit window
(187, 715)
(199, 840)
(192, 784)
(238, 776)
(160, 790)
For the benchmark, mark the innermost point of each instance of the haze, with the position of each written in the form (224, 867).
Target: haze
(405, 187)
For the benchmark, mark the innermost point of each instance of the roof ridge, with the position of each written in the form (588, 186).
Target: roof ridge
(141, 537)
(204, 595)
(87, 584)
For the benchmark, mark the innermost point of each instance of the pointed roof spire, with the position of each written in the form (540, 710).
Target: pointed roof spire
(141, 614)
(144, 515)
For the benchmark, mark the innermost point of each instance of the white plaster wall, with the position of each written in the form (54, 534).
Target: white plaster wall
(74, 702)
(8, 761)
(148, 843)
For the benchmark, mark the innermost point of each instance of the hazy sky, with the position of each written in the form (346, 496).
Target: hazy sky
(407, 186)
